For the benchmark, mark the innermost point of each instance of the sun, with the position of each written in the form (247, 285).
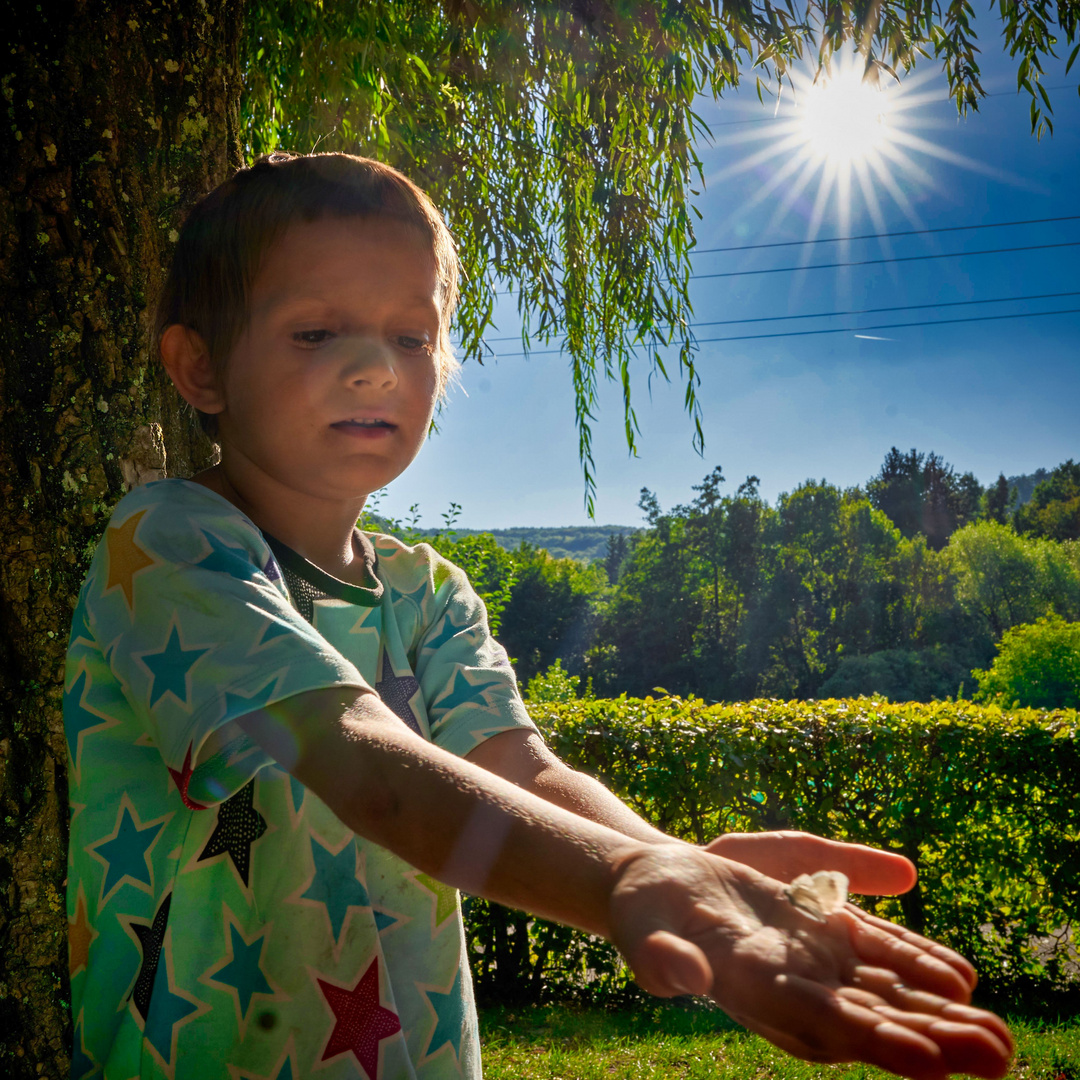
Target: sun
(844, 119)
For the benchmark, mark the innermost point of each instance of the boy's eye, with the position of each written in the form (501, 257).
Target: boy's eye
(413, 344)
(313, 337)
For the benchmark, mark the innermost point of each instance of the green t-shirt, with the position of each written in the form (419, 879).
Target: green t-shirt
(223, 921)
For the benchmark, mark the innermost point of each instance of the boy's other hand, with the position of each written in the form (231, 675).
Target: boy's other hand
(853, 988)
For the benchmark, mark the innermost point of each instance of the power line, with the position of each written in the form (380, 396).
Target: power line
(881, 235)
(857, 311)
(902, 307)
(844, 329)
(877, 262)
(891, 326)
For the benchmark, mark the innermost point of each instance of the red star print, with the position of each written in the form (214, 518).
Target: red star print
(360, 1021)
(182, 778)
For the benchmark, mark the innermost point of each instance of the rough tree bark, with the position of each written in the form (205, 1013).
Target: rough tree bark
(116, 116)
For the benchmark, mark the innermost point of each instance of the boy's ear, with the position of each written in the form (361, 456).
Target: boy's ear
(187, 360)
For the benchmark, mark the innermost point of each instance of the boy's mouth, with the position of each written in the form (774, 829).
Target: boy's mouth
(363, 424)
(365, 428)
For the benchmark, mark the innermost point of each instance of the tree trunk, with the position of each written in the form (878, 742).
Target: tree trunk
(117, 116)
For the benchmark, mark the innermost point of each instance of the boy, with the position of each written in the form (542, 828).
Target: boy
(287, 735)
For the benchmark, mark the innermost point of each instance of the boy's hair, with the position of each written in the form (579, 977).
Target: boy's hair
(228, 233)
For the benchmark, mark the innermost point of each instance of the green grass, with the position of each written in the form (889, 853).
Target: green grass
(666, 1041)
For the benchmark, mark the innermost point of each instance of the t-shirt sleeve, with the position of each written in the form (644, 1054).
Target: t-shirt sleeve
(191, 613)
(468, 685)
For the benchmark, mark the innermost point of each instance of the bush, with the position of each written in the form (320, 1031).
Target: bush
(1037, 666)
(983, 801)
(553, 686)
(898, 675)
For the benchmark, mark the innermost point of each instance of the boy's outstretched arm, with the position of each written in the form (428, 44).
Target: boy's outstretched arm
(687, 921)
(523, 758)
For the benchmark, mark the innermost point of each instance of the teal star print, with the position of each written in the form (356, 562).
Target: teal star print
(236, 562)
(77, 718)
(238, 705)
(445, 634)
(125, 853)
(335, 883)
(242, 972)
(83, 1066)
(449, 1015)
(166, 1011)
(462, 691)
(169, 668)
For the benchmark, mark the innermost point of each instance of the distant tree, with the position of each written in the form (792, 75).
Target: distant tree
(648, 631)
(1008, 580)
(550, 613)
(967, 500)
(808, 557)
(743, 550)
(617, 548)
(1037, 666)
(832, 587)
(999, 501)
(897, 490)
(1027, 483)
(1054, 509)
(921, 493)
(705, 532)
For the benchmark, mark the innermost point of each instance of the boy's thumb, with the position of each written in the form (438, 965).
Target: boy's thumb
(667, 965)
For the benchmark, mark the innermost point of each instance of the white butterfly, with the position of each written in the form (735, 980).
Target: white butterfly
(818, 895)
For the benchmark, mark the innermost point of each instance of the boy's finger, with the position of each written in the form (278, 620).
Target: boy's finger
(834, 1026)
(934, 948)
(786, 854)
(916, 966)
(969, 1048)
(883, 988)
(829, 1027)
(667, 965)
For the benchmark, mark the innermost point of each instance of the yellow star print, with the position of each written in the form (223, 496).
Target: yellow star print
(446, 897)
(80, 937)
(126, 558)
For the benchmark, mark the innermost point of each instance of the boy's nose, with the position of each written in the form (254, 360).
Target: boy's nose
(373, 363)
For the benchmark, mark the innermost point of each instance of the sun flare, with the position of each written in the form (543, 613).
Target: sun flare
(836, 135)
(844, 119)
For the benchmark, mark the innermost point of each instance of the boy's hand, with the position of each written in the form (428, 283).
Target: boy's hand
(785, 855)
(852, 989)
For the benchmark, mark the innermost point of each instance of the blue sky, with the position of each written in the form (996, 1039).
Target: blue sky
(988, 396)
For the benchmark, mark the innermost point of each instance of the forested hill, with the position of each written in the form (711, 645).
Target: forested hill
(589, 543)
(1025, 485)
(584, 543)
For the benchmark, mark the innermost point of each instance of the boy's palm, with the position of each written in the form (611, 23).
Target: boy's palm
(854, 988)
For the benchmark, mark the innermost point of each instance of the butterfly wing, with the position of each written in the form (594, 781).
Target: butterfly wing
(832, 887)
(819, 895)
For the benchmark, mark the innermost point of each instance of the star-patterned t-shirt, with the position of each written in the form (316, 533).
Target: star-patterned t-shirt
(223, 922)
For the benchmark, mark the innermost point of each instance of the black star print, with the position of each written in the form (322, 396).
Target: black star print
(150, 938)
(395, 691)
(239, 825)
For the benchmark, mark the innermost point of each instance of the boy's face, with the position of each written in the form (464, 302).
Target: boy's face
(331, 388)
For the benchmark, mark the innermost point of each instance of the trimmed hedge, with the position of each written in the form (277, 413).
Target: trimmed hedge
(985, 802)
